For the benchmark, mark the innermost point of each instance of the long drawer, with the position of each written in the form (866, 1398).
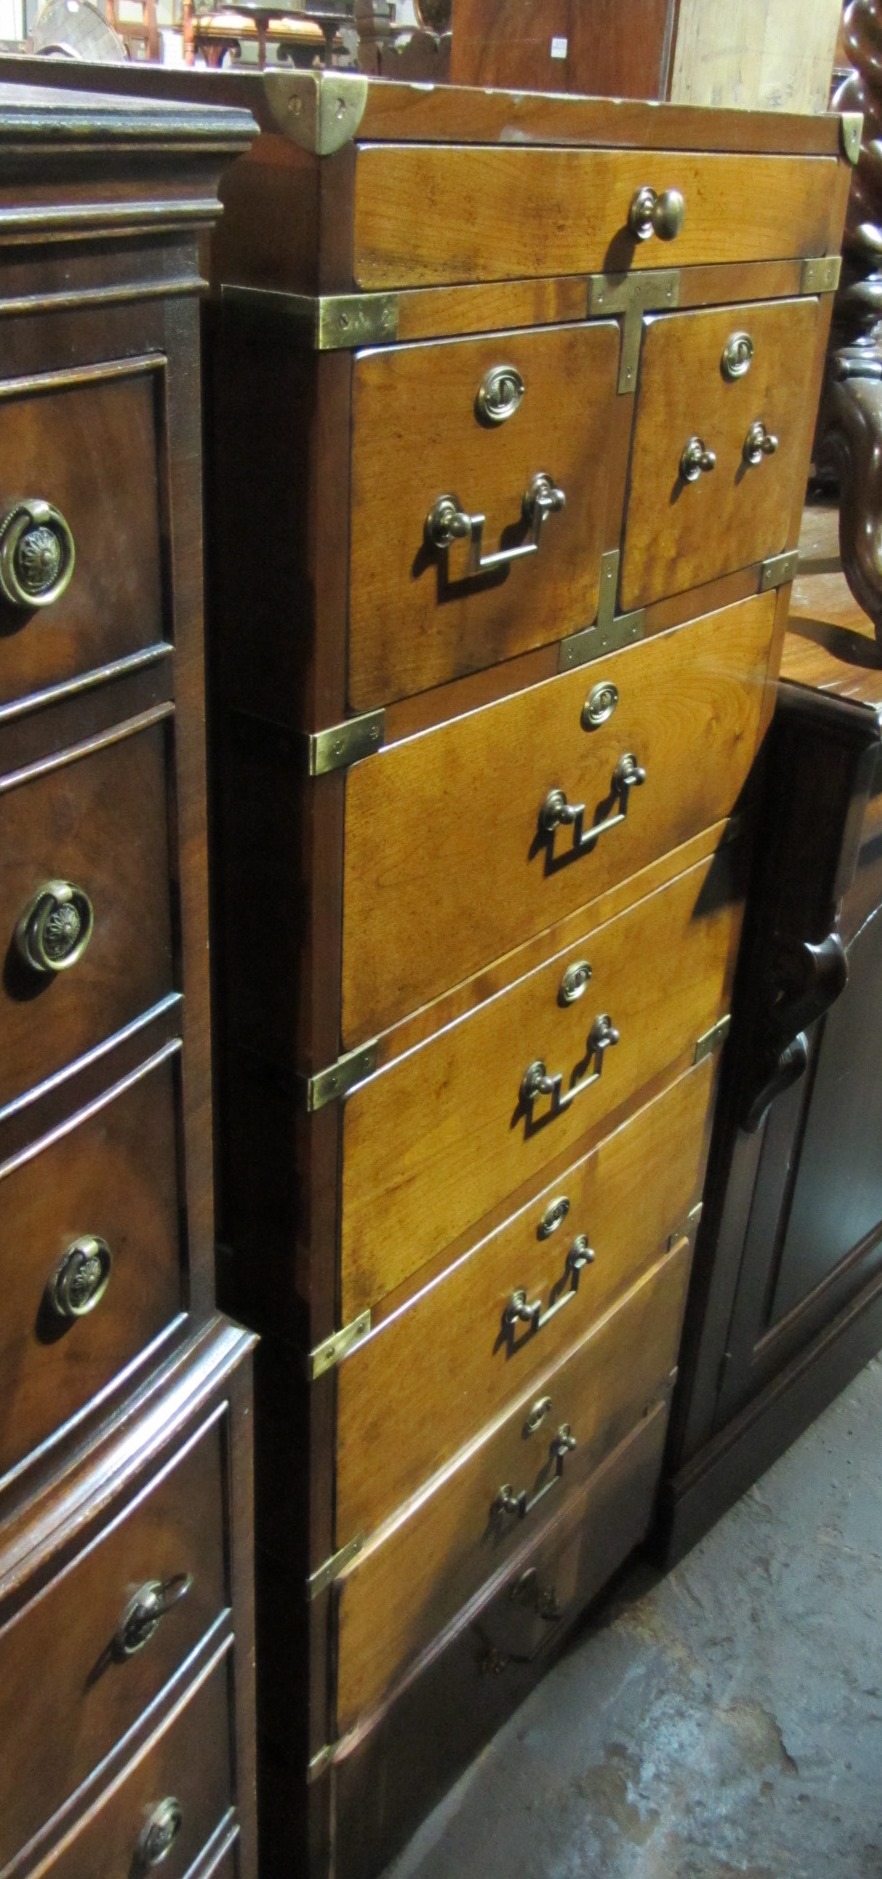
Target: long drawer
(411, 1583)
(433, 1141)
(461, 1343)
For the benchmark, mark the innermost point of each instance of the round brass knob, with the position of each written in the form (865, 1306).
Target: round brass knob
(581, 1253)
(55, 928)
(696, 460)
(146, 1610)
(758, 443)
(81, 1278)
(159, 1834)
(37, 554)
(652, 213)
(446, 522)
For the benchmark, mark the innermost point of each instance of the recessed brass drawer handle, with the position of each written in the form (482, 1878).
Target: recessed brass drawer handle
(55, 928)
(520, 1504)
(37, 554)
(160, 1832)
(80, 1279)
(537, 1082)
(696, 460)
(758, 443)
(145, 1612)
(652, 213)
(447, 522)
(557, 811)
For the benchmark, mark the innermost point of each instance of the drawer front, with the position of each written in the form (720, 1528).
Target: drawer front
(417, 1577)
(100, 826)
(440, 1368)
(92, 1693)
(420, 613)
(679, 533)
(92, 1212)
(87, 445)
(684, 707)
(176, 1792)
(428, 214)
(434, 1141)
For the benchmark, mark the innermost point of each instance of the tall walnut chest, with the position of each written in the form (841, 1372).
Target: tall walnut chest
(125, 1471)
(509, 405)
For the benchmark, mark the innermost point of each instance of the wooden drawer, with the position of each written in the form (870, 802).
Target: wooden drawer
(454, 1344)
(418, 614)
(96, 819)
(680, 533)
(186, 1765)
(427, 214)
(110, 1173)
(65, 1722)
(443, 1133)
(470, 795)
(408, 1586)
(88, 444)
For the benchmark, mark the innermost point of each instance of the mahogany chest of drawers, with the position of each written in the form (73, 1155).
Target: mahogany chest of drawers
(125, 1467)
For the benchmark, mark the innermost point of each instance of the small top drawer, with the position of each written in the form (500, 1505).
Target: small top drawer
(426, 214)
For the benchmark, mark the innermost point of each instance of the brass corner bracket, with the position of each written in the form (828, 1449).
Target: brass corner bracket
(333, 1349)
(326, 1574)
(322, 322)
(320, 111)
(851, 126)
(711, 1040)
(338, 1079)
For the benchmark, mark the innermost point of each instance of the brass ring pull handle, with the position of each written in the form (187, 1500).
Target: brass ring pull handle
(653, 213)
(536, 1080)
(37, 554)
(557, 811)
(696, 460)
(447, 522)
(758, 443)
(145, 1612)
(55, 928)
(80, 1279)
(519, 1503)
(159, 1833)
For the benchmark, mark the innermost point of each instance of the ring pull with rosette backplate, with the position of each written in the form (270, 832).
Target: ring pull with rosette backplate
(37, 554)
(55, 928)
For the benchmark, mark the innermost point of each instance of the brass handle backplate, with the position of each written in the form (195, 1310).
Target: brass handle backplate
(145, 1612)
(536, 1080)
(758, 443)
(55, 928)
(80, 1279)
(159, 1833)
(656, 213)
(448, 523)
(556, 811)
(37, 554)
(518, 1502)
(696, 460)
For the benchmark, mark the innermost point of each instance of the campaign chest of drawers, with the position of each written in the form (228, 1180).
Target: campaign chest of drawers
(508, 406)
(126, 1707)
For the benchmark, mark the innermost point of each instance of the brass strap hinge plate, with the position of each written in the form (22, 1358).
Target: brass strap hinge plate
(320, 1762)
(712, 1039)
(344, 744)
(777, 571)
(339, 1078)
(324, 322)
(851, 126)
(335, 1348)
(326, 1574)
(653, 291)
(686, 1229)
(820, 275)
(611, 631)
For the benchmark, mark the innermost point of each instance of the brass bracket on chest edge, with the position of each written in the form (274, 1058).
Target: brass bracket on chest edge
(851, 126)
(339, 1078)
(611, 631)
(332, 1568)
(655, 291)
(344, 744)
(778, 570)
(332, 1351)
(687, 1228)
(711, 1039)
(322, 322)
(820, 274)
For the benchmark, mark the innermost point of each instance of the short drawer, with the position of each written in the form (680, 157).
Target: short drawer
(436, 1139)
(512, 435)
(443, 1365)
(417, 1576)
(651, 746)
(427, 214)
(80, 1663)
(728, 384)
(85, 892)
(167, 1803)
(80, 518)
(93, 1267)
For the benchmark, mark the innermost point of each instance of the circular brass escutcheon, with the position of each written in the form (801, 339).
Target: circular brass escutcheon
(160, 1832)
(737, 356)
(499, 394)
(55, 928)
(145, 1612)
(81, 1278)
(37, 554)
(599, 705)
(537, 1415)
(553, 1217)
(575, 982)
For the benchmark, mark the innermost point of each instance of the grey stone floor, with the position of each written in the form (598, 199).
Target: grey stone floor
(725, 1719)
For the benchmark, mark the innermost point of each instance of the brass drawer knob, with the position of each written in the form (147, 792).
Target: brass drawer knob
(37, 554)
(696, 460)
(55, 928)
(758, 443)
(80, 1279)
(652, 213)
(581, 1253)
(160, 1832)
(145, 1612)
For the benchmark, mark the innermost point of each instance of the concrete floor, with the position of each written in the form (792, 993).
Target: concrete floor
(725, 1719)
